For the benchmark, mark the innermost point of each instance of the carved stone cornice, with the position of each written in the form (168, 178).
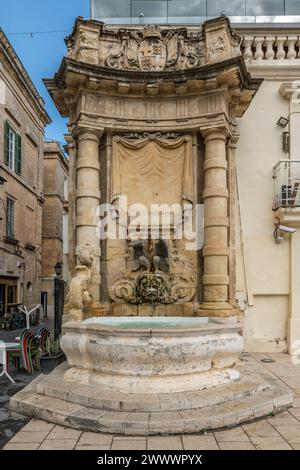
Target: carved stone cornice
(231, 74)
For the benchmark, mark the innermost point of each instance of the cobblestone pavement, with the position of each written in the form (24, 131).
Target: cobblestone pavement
(281, 432)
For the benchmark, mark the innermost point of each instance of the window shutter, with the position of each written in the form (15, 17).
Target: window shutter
(6, 142)
(18, 155)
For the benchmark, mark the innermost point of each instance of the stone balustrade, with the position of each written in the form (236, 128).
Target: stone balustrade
(270, 47)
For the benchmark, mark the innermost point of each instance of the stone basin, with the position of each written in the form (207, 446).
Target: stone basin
(151, 354)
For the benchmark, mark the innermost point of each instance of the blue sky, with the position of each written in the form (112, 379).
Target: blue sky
(42, 54)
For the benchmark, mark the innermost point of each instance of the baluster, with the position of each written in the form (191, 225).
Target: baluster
(258, 43)
(291, 42)
(280, 42)
(269, 44)
(247, 44)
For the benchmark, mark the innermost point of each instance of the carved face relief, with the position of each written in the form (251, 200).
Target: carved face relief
(152, 55)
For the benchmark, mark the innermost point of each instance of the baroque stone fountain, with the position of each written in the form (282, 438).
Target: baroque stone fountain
(152, 332)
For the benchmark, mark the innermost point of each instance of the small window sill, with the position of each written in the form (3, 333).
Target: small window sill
(29, 247)
(11, 240)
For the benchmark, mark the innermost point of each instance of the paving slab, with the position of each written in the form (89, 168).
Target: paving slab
(88, 448)
(284, 418)
(270, 443)
(23, 437)
(29, 446)
(122, 443)
(290, 433)
(260, 429)
(58, 432)
(164, 443)
(62, 444)
(236, 446)
(91, 438)
(196, 442)
(231, 435)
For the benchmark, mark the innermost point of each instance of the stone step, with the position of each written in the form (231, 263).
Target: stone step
(217, 416)
(104, 400)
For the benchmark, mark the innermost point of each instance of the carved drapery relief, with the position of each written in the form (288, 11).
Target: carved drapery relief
(156, 50)
(145, 169)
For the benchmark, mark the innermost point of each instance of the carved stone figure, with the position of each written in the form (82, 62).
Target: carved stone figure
(79, 299)
(141, 254)
(161, 257)
(88, 47)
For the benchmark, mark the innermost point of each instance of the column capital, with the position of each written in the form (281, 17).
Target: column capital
(83, 131)
(215, 133)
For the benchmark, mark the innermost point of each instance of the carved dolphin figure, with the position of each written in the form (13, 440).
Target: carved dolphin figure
(161, 257)
(140, 254)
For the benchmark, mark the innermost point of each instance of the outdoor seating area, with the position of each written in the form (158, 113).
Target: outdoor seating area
(25, 352)
(20, 317)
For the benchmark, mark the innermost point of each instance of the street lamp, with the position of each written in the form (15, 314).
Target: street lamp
(59, 299)
(58, 269)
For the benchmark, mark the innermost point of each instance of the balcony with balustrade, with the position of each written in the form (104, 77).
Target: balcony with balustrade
(286, 204)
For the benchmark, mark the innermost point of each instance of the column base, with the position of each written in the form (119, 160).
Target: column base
(218, 309)
(99, 310)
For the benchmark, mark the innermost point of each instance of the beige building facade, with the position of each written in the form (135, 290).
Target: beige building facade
(268, 171)
(22, 122)
(55, 219)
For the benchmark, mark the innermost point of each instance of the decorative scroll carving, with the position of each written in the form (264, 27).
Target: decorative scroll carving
(156, 50)
(153, 276)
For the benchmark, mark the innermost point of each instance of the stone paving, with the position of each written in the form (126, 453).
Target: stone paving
(280, 432)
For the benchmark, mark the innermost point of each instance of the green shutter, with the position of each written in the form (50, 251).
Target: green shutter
(6, 142)
(18, 154)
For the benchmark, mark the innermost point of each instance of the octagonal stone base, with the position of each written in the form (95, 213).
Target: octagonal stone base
(151, 355)
(152, 376)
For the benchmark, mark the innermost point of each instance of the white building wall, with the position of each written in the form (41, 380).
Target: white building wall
(263, 268)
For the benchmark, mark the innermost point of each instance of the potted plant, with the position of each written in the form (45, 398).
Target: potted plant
(55, 356)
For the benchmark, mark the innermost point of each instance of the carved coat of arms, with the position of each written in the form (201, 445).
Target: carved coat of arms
(152, 51)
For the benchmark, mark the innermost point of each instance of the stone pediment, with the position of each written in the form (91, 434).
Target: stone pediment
(152, 48)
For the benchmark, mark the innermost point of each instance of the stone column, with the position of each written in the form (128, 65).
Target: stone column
(216, 224)
(87, 202)
(72, 149)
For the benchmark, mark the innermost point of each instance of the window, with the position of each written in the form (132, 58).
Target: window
(10, 218)
(12, 149)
